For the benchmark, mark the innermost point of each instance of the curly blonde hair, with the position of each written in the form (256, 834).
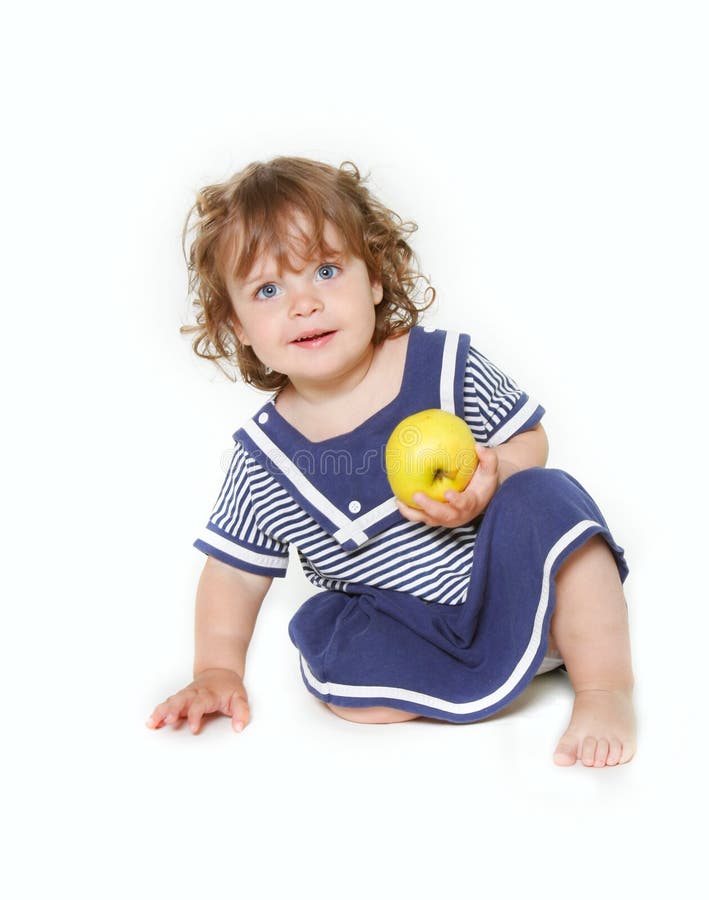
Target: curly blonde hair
(236, 221)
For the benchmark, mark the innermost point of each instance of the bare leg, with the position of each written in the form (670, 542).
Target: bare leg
(372, 715)
(590, 629)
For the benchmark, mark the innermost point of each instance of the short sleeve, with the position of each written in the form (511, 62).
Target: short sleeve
(232, 533)
(494, 406)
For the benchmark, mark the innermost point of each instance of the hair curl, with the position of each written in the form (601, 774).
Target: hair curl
(235, 221)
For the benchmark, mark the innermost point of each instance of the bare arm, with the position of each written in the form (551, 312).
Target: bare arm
(523, 451)
(228, 603)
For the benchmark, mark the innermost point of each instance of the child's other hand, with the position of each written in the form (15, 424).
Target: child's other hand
(214, 690)
(462, 506)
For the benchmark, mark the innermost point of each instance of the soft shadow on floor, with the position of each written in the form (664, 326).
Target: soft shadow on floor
(541, 687)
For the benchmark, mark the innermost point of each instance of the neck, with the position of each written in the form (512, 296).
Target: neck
(314, 393)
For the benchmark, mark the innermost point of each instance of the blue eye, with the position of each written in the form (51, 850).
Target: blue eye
(267, 287)
(268, 291)
(328, 268)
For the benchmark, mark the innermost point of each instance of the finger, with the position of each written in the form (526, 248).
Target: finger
(175, 707)
(156, 719)
(240, 713)
(194, 717)
(161, 710)
(464, 511)
(486, 478)
(460, 501)
(433, 509)
(410, 512)
(205, 702)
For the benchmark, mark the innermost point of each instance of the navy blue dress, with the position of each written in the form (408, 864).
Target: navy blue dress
(447, 623)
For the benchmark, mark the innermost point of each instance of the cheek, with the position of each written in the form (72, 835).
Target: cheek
(246, 330)
(260, 338)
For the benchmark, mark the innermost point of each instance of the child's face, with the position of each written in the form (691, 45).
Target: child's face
(311, 324)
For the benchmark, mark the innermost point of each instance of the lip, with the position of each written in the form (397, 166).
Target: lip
(316, 337)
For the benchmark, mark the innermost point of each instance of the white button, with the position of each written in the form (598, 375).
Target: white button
(263, 418)
(354, 506)
(429, 328)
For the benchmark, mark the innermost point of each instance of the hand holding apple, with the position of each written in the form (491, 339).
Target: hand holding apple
(431, 454)
(460, 507)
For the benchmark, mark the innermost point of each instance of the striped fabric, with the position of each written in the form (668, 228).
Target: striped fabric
(266, 503)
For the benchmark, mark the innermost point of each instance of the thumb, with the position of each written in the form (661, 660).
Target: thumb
(240, 713)
(488, 460)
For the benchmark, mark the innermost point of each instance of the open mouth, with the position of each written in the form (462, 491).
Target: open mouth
(312, 338)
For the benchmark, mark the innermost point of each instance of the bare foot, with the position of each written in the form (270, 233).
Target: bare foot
(601, 731)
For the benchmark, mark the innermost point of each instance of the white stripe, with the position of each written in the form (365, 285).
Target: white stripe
(394, 693)
(302, 485)
(514, 424)
(363, 522)
(241, 553)
(447, 386)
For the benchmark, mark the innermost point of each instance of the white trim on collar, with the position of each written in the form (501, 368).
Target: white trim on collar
(374, 515)
(308, 490)
(450, 353)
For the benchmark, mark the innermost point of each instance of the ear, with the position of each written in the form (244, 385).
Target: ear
(377, 292)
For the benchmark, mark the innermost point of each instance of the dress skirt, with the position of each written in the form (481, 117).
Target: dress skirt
(462, 662)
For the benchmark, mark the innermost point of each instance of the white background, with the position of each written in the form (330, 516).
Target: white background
(554, 155)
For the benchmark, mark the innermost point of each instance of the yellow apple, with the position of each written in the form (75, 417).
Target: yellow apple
(432, 451)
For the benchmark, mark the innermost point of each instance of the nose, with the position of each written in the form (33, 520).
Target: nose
(304, 301)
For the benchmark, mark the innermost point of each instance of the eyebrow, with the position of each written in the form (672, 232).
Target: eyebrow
(338, 255)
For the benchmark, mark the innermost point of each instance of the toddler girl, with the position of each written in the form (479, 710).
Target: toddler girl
(307, 283)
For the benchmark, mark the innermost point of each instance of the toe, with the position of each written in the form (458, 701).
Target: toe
(601, 756)
(588, 751)
(614, 752)
(566, 752)
(627, 753)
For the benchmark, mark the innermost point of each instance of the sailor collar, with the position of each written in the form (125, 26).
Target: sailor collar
(341, 482)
